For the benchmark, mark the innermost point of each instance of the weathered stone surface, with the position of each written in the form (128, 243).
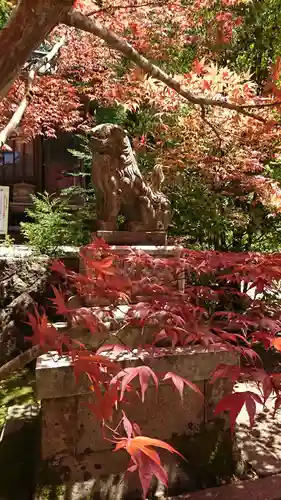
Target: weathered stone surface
(193, 363)
(89, 436)
(161, 416)
(59, 423)
(120, 187)
(55, 378)
(214, 393)
(17, 416)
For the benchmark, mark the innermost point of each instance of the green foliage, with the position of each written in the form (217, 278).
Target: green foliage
(257, 42)
(53, 224)
(179, 61)
(5, 10)
(17, 389)
(111, 114)
(197, 213)
(84, 153)
(7, 241)
(212, 221)
(137, 124)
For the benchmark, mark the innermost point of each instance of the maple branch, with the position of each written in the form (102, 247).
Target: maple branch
(18, 114)
(29, 24)
(20, 361)
(81, 21)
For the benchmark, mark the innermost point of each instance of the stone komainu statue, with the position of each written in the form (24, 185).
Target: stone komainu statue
(120, 186)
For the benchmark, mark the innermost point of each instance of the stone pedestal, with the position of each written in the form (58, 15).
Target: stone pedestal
(72, 446)
(158, 238)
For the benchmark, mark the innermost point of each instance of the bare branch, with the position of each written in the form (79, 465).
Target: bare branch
(80, 21)
(20, 361)
(18, 114)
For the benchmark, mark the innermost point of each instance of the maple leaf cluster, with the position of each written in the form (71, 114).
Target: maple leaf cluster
(55, 105)
(222, 305)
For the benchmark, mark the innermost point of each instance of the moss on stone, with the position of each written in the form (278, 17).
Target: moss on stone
(18, 389)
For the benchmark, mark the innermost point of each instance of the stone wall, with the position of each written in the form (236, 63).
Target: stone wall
(25, 282)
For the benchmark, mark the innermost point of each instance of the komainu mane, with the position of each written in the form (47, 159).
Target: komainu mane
(120, 186)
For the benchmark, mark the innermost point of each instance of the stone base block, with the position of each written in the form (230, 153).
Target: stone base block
(72, 445)
(133, 237)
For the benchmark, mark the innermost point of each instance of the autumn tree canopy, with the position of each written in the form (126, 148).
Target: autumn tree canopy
(164, 32)
(168, 66)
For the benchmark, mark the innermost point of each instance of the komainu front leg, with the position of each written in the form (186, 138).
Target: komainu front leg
(110, 207)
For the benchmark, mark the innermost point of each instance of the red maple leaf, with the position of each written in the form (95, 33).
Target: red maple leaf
(101, 267)
(128, 374)
(58, 266)
(147, 468)
(276, 343)
(59, 302)
(96, 366)
(180, 382)
(234, 404)
(145, 458)
(45, 334)
(198, 66)
(232, 372)
(104, 402)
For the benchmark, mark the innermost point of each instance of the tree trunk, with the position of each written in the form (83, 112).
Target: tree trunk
(28, 26)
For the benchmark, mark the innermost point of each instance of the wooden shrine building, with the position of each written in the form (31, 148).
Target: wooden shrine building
(34, 167)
